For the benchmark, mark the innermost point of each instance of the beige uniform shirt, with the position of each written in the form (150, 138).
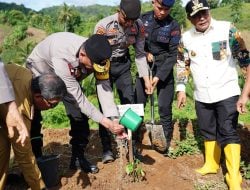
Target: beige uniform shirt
(59, 53)
(120, 39)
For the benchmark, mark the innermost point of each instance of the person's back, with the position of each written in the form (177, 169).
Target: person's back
(60, 45)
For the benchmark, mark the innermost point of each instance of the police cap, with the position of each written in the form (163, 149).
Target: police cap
(168, 3)
(131, 8)
(194, 6)
(98, 49)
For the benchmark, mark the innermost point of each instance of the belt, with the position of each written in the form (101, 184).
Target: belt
(122, 59)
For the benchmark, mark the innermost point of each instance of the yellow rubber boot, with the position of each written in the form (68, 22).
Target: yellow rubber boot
(212, 158)
(233, 176)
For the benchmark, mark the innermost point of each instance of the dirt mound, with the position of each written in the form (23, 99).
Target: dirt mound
(161, 172)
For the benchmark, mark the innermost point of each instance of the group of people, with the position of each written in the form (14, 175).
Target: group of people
(57, 65)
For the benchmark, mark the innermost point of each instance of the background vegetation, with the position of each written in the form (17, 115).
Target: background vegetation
(21, 29)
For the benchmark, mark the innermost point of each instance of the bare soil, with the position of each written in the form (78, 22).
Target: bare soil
(161, 172)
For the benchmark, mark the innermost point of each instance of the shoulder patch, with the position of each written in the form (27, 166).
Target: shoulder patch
(101, 30)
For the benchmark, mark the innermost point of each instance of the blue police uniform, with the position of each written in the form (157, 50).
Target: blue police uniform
(161, 40)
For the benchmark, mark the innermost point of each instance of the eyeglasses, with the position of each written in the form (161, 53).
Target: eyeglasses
(51, 104)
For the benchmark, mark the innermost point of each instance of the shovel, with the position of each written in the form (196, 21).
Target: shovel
(156, 133)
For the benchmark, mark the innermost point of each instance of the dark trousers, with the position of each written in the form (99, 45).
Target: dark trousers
(35, 134)
(79, 132)
(165, 95)
(218, 121)
(121, 77)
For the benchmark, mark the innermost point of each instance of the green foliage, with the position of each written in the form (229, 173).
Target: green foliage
(89, 85)
(22, 52)
(65, 15)
(13, 6)
(3, 17)
(178, 13)
(213, 3)
(188, 112)
(15, 17)
(135, 171)
(245, 170)
(236, 7)
(245, 118)
(18, 33)
(224, 13)
(36, 20)
(56, 117)
(188, 146)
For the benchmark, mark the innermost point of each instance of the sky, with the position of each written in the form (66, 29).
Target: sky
(40, 4)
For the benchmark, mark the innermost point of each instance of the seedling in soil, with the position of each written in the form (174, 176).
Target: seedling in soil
(135, 171)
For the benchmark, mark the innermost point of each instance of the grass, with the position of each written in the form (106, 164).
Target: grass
(223, 13)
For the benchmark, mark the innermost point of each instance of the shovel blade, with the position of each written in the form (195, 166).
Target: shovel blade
(157, 137)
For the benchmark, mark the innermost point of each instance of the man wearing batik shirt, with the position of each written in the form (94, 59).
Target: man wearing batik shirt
(208, 51)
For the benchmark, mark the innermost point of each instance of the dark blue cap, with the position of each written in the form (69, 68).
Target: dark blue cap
(168, 3)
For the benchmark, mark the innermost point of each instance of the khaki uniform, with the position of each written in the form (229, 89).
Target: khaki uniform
(21, 81)
(6, 89)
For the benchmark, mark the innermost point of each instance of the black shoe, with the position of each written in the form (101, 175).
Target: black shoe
(137, 154)
(107, 157)
(85, 165)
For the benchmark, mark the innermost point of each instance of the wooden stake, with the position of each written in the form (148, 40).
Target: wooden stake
(130, 146)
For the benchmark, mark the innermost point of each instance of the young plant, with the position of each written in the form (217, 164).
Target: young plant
(189, 146)
(135, 171)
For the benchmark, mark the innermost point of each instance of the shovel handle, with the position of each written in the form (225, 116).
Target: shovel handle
(150, 71)
(152, 109)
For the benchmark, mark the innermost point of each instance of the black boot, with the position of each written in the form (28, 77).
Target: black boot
(168, 135)
(107, 155)
(78, 155)
(136, 153)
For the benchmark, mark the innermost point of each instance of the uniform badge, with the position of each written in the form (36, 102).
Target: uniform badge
(193, 54)
(101, 30)
(116, 25)
(142, 30)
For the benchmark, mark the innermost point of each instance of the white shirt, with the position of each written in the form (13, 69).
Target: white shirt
(214, 79)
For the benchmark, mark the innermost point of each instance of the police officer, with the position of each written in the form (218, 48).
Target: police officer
(162, 35)
(13, 118)
(122, 30)
(42, 92)
(73, 58)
